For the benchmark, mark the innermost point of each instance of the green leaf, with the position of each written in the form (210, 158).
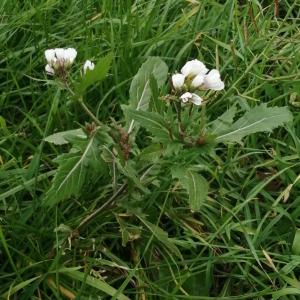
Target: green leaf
(129, 232)
(259, 119)
(161, 235)
(61, 138)
(222, 123)
(140, 89)
(16, 288)
(195, 184)
(92, 76)
(296, 243)
(152, 121)
(73, 171)
(131, 173)
(93, 282)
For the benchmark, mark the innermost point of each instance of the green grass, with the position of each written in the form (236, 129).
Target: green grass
(241, 245)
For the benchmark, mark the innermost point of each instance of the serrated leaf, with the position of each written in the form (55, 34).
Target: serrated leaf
(152, 121)
(92, 76)
(131, 173)
(259, 119)
(61, 138)
(222, 123)
(195, 184)
(73, 171)
(140, 89)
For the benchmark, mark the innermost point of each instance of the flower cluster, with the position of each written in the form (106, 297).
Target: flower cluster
(59, 59)
(195, 76)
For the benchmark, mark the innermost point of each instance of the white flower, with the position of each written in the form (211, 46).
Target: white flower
(197, 81)
(59, 58)
(49, 70)
(178, 81)
(194, 68)
(191, 97)
(213, 81)
(88, 65)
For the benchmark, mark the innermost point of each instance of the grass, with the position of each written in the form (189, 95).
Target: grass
(243, 242)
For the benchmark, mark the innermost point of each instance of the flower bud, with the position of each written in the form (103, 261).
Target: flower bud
(194, 68)
(178, 81)
(213, 81)
(197, 81)
(88, 65)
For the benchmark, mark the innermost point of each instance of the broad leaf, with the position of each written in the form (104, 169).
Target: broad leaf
(61, 138)
(140, 89)
(222, 123)
(153, 122)
(92, 76)
(195, 184)
(73, 171)
(259, 119)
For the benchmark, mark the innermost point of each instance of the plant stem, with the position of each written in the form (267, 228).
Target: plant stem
(87, 110)
(203, 119)
(180, 128)
(101, 208)
(83, 105)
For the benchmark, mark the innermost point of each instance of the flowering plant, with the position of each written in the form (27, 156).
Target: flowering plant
(179, 133)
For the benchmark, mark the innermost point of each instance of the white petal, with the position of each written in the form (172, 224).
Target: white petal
(213, 81)
(88, 65)
(186, 97)
(72, 53)
(50, 55)
(197, 100)
(49, 70)
(178, 81)
(215, 73)
(193, 68)
(197, 81)
(60, 53)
